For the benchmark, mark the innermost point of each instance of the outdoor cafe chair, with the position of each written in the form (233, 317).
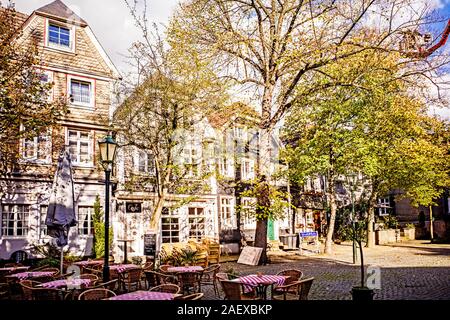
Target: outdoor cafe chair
(13, 265)
(92, 277)
(235, 291)
(110, 285)
(297, 290)
(209, 277)
(188, 280)
(292, 274)
(96, 294)
(163, 268)
(193, 296)
(131, 278)
(54, 270)
(169, 288)
(154, 279)
(47, 294)
(27, 288)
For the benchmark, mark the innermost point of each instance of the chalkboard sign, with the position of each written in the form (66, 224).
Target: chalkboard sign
(250, 255)
(150, 244)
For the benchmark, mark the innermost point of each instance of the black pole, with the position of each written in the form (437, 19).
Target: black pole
(106, 254)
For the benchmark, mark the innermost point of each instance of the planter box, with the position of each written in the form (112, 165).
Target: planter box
(385, 236)
(410, 234)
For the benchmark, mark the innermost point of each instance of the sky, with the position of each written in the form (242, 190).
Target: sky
(113, 25)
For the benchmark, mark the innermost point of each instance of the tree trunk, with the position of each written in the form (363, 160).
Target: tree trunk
(371, 220)
(261, 239)
(329, 240)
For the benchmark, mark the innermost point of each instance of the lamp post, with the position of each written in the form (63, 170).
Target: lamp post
(353, 180)
(107, 148)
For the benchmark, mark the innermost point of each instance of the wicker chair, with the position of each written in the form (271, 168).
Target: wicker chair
(54, 270)
(130, 279)
(292, 274)
(188, 280)
(297, 290)
(222, 276)
(163, 268)
(110, 285)
(154, 279)
(148, 266)
(94, 278)
(209, 277)
(194, 296)
(13, 265)
(27, 288)
(96, 294)
(235, 291)
(169, 288)
(47, 294)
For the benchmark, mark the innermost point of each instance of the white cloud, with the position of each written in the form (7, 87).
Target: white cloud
(110, 20)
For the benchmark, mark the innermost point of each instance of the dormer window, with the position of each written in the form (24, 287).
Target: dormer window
(59, 35)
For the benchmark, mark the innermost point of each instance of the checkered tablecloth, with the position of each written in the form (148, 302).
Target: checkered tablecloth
(14, 269)
(185, 269)
(31, 275)
(87, 263)
(144, 295)
(67, 283)
(123, 267)
(253, 280)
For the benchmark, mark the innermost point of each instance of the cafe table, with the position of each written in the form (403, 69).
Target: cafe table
(145, 295)
(121, 268)
(14, 269)
(260, 283)
(30, 275)
(185, 269)
(67, 284)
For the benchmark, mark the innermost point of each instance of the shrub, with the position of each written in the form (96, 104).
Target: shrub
(391, 222)
(410, 226)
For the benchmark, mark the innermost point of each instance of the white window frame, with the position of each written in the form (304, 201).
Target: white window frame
(27, 221)
(225, 167)
(147, 167)
(193, 227)
(76, 162)
(172, 215)
(34, 157)
(92, 89)
(383, 205)
(90, 220)
(249, 221)
(43, 234)
(240, 132)
(192, 158)
(72, 43)
(227, 213)
(251, 172)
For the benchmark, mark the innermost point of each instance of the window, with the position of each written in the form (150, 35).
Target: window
(226, 213)
(146, 162)
(59, 36)
(85, 224)
(225, 168)
(15, 220)
(191, 160)
(248, 217)
(80, 92)
(170, 227)
(43, 215)
(80, 147)
(37, 148)
(383, 206)
(247, 169)
(239, 133)
(47, 77)
(196, 223)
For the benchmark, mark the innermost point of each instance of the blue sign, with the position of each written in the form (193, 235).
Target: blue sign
(308, 234)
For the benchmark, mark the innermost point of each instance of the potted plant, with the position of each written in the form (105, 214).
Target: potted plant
(358, 233)
(409, 231)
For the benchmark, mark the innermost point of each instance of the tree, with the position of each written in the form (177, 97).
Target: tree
(276, 47)
(375, 127)
(25, 110)
(163, 116)
(99, 230)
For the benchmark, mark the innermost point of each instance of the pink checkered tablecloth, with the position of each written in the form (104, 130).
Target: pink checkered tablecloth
(88, 263)
(67, 283)
(31, 275)
(253, 280)
(123, 267)
(14, 269)
(144, 295)
(185, 269)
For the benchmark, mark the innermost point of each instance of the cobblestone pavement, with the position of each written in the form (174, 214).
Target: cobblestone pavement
(413, 270)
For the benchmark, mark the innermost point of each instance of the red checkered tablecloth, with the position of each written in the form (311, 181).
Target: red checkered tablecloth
(67, 283)
(253, 280)
(144, 295)
(185, 269)
(31, 275)
(123, 267)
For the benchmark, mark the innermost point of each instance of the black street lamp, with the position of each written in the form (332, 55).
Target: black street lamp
(353, 179)
(107, 148)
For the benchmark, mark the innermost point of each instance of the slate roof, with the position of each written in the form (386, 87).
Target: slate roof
(58, 9)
